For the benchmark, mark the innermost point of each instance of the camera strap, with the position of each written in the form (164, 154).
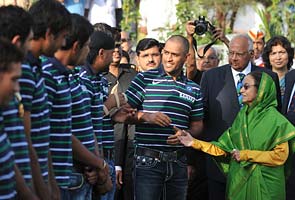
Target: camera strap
(205, 48)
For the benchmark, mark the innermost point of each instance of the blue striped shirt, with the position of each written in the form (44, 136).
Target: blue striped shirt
(13, 126)
(7, 175)
(58, 80)
(92, 83)
(155, 91)
(81, 113)
(34, 99)
(107, 137)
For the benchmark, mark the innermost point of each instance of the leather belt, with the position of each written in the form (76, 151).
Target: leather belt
(165, 156)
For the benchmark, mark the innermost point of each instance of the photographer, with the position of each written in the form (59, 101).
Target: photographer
(196, 65)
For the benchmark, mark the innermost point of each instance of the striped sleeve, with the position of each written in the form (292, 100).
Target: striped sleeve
(136, 91)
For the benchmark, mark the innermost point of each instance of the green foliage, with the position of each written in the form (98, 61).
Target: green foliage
(279, 19)
(189, 10)
(130, 17)
(220, 13)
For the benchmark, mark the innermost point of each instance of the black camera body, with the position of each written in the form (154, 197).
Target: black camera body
(202, 26)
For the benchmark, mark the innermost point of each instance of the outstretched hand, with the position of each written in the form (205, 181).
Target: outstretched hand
(173, 139)
(235, 154)
(185, 138)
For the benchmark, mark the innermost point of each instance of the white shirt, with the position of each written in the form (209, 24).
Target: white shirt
(103, 11)
(236, 73)
(158, 16)
(291, 97)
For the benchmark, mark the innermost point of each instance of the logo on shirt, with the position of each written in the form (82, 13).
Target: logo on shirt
(187, 97)
(189, 88)
(155, 82)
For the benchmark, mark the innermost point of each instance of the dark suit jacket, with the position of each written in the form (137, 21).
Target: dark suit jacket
(290, 80)
(221, 106)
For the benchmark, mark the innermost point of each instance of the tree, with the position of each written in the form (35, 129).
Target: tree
(279, 19)
(130, 17)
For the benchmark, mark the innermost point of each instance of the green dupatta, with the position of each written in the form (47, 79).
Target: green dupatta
(256, 127)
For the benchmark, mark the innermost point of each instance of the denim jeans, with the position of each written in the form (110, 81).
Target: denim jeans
(83, 192)
(155, 179)
(111, 194)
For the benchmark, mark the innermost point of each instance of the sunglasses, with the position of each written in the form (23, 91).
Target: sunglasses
(247, 86)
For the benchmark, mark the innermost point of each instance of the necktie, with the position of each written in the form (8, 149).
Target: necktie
(291, 108)
(239, 87)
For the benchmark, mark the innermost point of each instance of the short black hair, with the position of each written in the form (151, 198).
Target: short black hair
(81, 31)
(9, 54)
(114, 32)
(14, 21)
(147, 43)
(126, 55)
(182, 40)
(49, 14)
(99, 40)
(274, 41)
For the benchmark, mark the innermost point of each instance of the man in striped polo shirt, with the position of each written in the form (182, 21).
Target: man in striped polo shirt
(167, 102)
(11, 179)
(79, 137)
(99, 58)
(16, 25)
(51, 22)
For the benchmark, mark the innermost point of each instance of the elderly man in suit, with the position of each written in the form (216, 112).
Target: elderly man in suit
(220, 87)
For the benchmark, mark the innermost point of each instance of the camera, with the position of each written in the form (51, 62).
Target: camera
(202, 26)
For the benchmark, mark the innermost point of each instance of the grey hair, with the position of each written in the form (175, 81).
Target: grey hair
(250, 42)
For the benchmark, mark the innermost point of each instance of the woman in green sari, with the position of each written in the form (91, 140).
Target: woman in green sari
(259, 142)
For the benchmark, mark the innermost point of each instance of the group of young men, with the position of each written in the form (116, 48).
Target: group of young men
(51, 128)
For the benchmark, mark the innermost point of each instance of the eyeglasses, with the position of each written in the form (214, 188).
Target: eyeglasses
(238, 54)
(210, 58)
(247, 86)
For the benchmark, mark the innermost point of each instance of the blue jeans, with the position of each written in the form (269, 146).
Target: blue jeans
(155, 179)
(79, 189)
(111, 194)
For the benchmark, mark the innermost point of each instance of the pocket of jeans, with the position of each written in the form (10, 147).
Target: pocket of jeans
(76, 181)
(182, 161)
(145, 162)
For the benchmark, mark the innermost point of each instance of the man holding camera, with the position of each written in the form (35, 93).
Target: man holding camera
(205, 59)
(195, 66)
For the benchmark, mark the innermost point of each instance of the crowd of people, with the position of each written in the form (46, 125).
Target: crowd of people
(84, 116)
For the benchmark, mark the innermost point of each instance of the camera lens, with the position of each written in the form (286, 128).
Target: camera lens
(201, 28)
